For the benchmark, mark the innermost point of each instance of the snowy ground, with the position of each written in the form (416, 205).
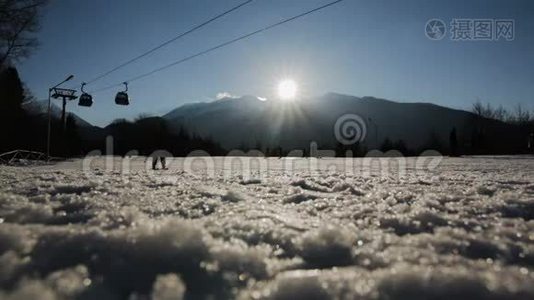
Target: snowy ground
(461, 230)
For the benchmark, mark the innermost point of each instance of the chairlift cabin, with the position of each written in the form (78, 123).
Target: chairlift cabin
(85, 99)
(122, 98)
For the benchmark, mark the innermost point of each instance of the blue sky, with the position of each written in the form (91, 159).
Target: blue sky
(362, 48)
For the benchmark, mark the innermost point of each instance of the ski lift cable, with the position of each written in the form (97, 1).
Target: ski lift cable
(220, 46)
(168, 42)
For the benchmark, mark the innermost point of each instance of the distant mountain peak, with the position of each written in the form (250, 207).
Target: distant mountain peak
(241, 98)
(338, 96)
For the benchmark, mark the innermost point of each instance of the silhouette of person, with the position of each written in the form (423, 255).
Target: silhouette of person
(160, 142)
(155, 159)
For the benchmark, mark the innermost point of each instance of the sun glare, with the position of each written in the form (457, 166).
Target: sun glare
(287, 89)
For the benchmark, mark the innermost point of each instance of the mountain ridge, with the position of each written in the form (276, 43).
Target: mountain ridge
(248, 122)
(314, 119)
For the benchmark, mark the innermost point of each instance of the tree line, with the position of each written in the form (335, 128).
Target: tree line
(518, 115)
(146, 134)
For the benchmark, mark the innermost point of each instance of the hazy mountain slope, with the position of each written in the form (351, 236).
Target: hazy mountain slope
(92, 136)
(249, 121)
(228, 121)
(40, 108)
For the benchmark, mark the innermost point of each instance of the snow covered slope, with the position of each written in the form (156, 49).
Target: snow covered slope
(464, 230)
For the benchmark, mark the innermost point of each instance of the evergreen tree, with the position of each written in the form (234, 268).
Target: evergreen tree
(11, 113)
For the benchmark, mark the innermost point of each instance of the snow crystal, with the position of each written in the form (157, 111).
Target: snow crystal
(517, 209)
(71, 189)
(299, 197)
(251, 181)
(168, 287)
(232, 196)
(307, 185)
(69, 283)
(32, 213)
(327, 247)
(30, 289)
(296, 285)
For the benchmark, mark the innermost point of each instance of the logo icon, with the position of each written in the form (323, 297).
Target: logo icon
(435, 29)
(350, 129)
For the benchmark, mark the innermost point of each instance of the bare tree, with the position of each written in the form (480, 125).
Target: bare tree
(478, 108)
(484, 111)
(501, 114)
(19, 21)
(522, 115)
(519, 115)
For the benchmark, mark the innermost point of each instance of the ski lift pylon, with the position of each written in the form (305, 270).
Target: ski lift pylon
(122, 97)
(85, 99)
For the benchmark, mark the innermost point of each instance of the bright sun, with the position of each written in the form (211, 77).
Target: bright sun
(287, 89)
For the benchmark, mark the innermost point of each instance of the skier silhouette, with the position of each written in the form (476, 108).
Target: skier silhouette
(160, 139)
(155, 162)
